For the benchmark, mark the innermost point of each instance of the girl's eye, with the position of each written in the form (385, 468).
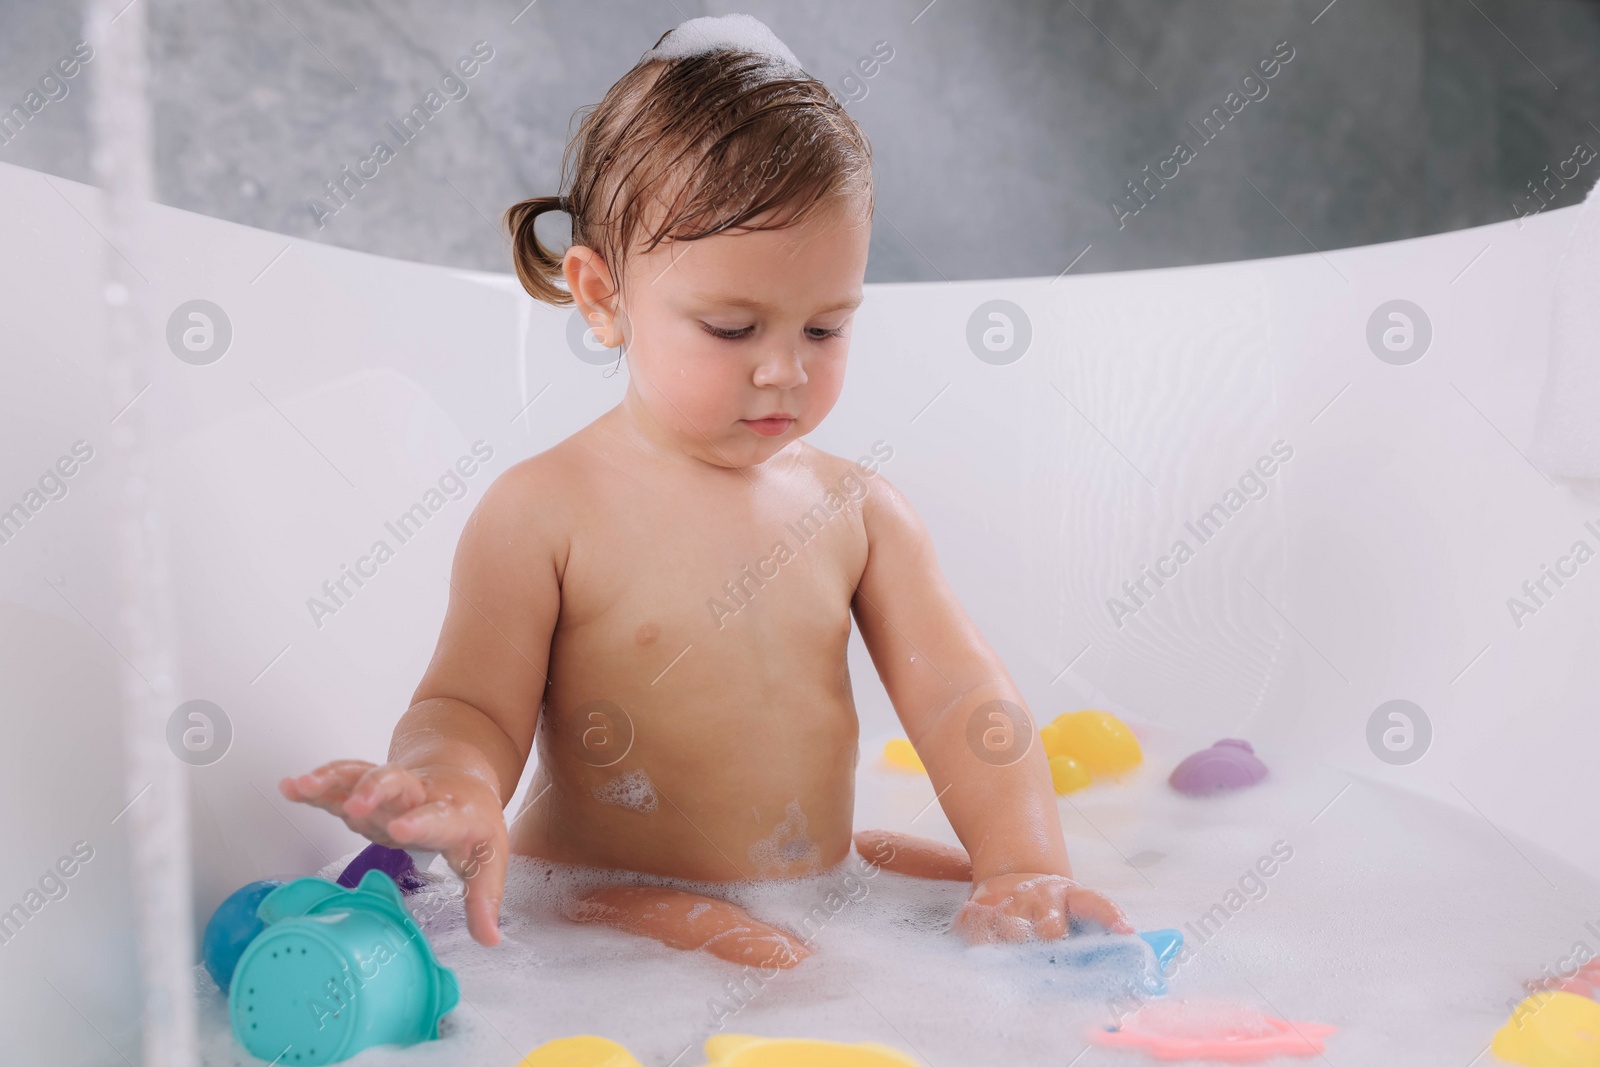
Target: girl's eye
(816, 333)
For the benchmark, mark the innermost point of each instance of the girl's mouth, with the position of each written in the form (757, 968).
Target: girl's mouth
(768, 427)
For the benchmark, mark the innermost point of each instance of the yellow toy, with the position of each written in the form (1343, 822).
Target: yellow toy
(900, 755)
(745, 1050)
(1551, 1030)
(1067, 774)
(582, 1051)
(1080, 745)
(1096, 739)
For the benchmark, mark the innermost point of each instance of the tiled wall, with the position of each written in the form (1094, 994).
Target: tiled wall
(1003, 131)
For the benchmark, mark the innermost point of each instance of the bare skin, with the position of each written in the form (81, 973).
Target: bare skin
(680, 738)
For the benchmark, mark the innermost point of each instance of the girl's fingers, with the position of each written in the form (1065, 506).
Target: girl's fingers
(968, 924)
(482, 868)
(386, 804)
(1042, 908)
(387, 785)
(329, 783)
(341, 774)
(982, 923)
(1050, 919)
(1087, 904)
(984, 894)
(435, 826)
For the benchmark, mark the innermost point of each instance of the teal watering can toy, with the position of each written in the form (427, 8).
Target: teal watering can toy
(334, 971)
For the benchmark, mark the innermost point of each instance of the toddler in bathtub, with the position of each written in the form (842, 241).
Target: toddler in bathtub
(662, 601)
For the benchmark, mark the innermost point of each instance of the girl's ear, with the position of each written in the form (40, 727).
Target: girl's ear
(594, 294)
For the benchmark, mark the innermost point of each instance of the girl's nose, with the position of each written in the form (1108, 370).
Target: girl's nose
(781, 370)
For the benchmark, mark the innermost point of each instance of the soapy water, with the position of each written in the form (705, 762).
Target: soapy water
(633, 791)
(787, 844)
(1407, 925)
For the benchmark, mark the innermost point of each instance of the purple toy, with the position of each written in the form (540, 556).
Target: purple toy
(395, 862)
(1228, 764)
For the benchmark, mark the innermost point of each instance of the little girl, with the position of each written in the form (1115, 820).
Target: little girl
(662, 602)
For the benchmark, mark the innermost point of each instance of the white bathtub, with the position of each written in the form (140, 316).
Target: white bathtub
(1378, 566)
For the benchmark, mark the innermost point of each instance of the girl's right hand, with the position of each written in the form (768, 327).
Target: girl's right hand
(436, 809)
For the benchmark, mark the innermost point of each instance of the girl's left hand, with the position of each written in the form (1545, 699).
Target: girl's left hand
(1011, 907)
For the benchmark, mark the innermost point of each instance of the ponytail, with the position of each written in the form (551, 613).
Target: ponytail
(537, 266)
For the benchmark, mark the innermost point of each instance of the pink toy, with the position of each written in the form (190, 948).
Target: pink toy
(1585, 982)
(1228, 764)
(1178, 1030)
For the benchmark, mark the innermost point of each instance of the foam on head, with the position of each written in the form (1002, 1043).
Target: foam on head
(711, 33)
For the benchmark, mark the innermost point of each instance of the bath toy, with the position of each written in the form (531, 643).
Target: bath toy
(1585, 981)
(1228, 764)
(901, 755)
(395, 862)
(1067, 775)
(581, 1051)
(1164, 943)
(1584, 987)
(230, 930)
(336, 971)
(1090, 951)
(1097, 739)
(1551, 1030)
(745, 1050)
(1178, 1030)
(1085, 963)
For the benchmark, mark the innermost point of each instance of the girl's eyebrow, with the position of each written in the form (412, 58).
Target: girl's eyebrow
(848, 304)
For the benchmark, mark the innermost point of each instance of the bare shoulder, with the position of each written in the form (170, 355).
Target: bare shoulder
(887, 520)
(882, 503)
(858, 477)
(528, 509)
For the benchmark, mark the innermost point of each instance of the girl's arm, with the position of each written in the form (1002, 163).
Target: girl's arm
(459, 750)
(968, 723)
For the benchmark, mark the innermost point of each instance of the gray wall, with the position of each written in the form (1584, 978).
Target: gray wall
(1002, 131)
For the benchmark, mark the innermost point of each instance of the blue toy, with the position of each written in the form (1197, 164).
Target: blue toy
(1086, 963)
(336, 971)
(1165, 944)
(231, 928)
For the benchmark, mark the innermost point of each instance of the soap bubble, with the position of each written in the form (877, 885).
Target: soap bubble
(710, 33)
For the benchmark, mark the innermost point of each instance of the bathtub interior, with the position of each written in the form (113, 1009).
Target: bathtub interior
(1376, 566)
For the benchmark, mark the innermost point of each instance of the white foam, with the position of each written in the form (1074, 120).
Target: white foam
(633, 791)
(786, 844)
(1405, 923)
(711, 33)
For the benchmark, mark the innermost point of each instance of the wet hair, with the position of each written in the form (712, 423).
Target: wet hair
(705, 143)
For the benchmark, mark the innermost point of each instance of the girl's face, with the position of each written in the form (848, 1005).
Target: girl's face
(736, 343)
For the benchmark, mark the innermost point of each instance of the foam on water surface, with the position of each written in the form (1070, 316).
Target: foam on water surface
(1406, 924)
